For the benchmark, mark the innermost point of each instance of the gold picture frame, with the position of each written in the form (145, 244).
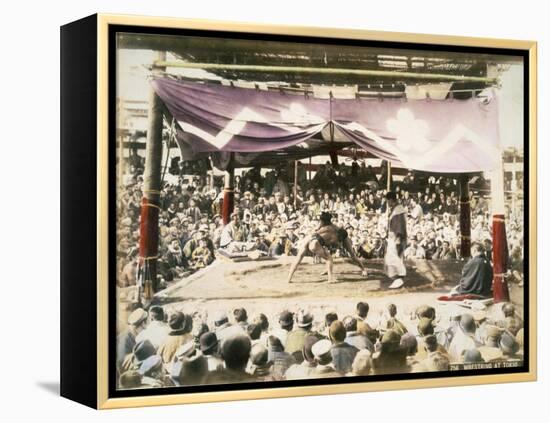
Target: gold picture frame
(99, 27)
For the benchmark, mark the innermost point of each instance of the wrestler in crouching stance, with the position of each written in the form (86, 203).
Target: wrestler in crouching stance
(327, 237)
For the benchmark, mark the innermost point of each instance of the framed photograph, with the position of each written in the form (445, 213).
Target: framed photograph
(254, 211)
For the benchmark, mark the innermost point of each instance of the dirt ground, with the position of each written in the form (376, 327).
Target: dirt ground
(261, 287)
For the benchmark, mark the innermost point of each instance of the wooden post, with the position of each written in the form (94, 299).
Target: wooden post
(465, 218)
(228, 192)
(150, 203)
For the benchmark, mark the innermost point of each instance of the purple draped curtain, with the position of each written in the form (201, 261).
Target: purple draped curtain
(432, 135)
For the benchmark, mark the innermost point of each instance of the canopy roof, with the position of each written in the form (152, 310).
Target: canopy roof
(443, 136)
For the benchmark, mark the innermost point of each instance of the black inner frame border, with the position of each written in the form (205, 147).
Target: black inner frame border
(112, 32)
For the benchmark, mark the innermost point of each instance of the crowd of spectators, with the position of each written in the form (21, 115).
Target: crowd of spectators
(161, 349)
(270, 220)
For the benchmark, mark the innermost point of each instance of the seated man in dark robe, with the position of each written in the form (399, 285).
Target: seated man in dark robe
(477, 275)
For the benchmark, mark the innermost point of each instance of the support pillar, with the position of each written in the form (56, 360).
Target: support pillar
(500, 247)
(228, 193)
(500, 259)
(388, 183)
(333, 157)
(295, 183)
(465, 218)
(150, 203)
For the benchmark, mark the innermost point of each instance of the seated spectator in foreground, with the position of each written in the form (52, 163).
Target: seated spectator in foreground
(126, 340)
(464, 338)
(322, 351)
(235, 352)
(194, 370)
(280, 359)
(477, 275)
(362, 364)
(512, 322)
(210, 349)
(391, 358)
(141, 352)
(354, 338)
(473, 356)
(295, 339)
(410, 345)
(157, 330)
(342, 352)
(259, 365)
(305, 369)
(426, 329)
(223, 328)
(434, 360)
(393, 323)
(180, 333)
(286, 323)
(241, 318)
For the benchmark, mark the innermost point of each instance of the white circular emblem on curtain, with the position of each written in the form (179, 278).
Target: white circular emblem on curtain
(410, 133)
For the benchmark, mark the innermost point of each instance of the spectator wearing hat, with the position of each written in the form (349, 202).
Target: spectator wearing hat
(142, 351)
(235, 352)
(354, 338)
(280, 359)
(464, 338)
(391, 358)
(153, 373)
(342, 352)
(126, 340)
(209, 347)
(180, 333)
(286, 324)
(473, 356)
(259, 365)
(322, 351)
(157, 330)
(295, 339)
(223, 328)
(130, 379)
(305, 369)
(193, 370)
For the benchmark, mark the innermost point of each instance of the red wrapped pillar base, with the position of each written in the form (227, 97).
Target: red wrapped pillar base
(148, 246)
(227, 204)
(500, 258)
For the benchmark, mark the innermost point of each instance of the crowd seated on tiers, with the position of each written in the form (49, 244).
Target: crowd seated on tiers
(268, 221)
